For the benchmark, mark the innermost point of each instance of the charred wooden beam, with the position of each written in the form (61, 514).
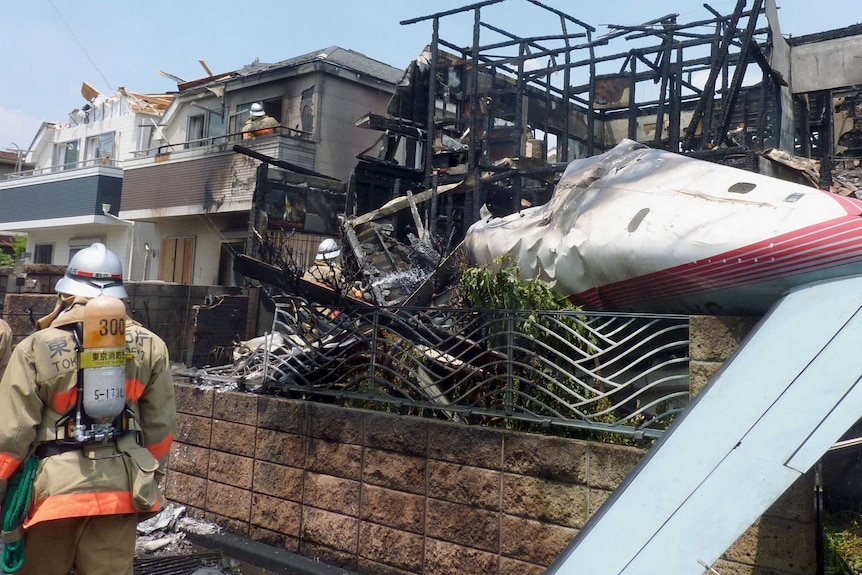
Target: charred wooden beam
(438, 15)
(709, 87)
(393, 125)
(739, 72)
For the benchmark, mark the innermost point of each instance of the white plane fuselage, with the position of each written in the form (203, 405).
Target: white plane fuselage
(638, 229)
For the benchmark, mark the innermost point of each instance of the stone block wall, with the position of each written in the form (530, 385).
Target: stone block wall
(7, 283)
(41, 278)
(388, 494)
(22, 310)
(37, 279)
(381, 493)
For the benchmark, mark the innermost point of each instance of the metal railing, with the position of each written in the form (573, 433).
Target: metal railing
(215, 141)
(83, 164)
(620, 373)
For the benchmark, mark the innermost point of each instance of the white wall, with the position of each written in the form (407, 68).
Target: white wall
(124, 240)
(176, 130)
(126, 133)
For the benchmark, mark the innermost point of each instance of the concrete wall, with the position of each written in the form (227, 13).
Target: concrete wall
(342, 102)
(825, 65)
(387, 494)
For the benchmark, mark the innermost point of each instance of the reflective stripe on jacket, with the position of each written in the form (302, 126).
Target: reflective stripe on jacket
(39, 387)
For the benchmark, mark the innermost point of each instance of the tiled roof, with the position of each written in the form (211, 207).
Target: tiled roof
(336, 55)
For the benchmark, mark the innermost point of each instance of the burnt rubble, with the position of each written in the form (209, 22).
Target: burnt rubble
(486, 130)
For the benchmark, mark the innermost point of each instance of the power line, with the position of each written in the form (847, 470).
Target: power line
(80, 45)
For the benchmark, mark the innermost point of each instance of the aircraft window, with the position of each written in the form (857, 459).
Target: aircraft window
(741, 188)
(793, 197)
(636, 221)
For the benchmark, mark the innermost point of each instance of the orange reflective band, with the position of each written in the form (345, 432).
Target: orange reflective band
(63, 400)
(134, 389)
(82, 505)
(161, 448)
(8, 465)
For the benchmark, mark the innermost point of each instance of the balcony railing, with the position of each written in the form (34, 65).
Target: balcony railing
(163, 149)
(219, 142)
(91, 163)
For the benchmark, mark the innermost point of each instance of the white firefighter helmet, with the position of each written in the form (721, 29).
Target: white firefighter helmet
(327, 250)
(93, 271)
(256, 110)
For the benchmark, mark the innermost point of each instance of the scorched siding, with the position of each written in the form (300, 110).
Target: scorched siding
(207, 182)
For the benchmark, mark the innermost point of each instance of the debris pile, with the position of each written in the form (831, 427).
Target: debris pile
(165, 532)
(845, 174)
(847, 178)
(162, 547)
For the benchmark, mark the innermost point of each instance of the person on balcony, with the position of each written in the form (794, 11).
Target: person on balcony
(258, 123)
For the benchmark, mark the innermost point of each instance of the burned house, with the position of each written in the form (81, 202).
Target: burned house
(488, 128)
(480, 133)
(501, 116)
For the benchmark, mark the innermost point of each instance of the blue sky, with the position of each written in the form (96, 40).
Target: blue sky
(50, 47)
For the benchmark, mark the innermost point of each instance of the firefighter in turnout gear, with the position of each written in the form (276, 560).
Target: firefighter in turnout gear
(90, 395)
(326, 268)
(258, 123)
(5, 345)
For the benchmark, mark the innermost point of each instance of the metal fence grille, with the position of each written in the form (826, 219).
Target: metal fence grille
(622, 373)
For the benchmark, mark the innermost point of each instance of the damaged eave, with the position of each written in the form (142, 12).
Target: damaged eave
(216, 79)
(148, 103)
(849, 31)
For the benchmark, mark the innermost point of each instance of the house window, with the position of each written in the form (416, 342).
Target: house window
(66, 155)
(215, 125)
(100, 149)
(306, 111)
(272, 108)
(145, 136)
(176, 260)
(43, 254)
(78, 244)
(202, 127)
(196, 131)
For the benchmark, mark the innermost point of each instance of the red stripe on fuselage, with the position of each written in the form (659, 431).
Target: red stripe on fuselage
(817, 247)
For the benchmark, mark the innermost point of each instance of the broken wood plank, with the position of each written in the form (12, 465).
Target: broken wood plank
(399, 203)
(420, 228)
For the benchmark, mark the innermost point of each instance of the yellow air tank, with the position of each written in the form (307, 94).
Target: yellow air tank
(104, 358)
